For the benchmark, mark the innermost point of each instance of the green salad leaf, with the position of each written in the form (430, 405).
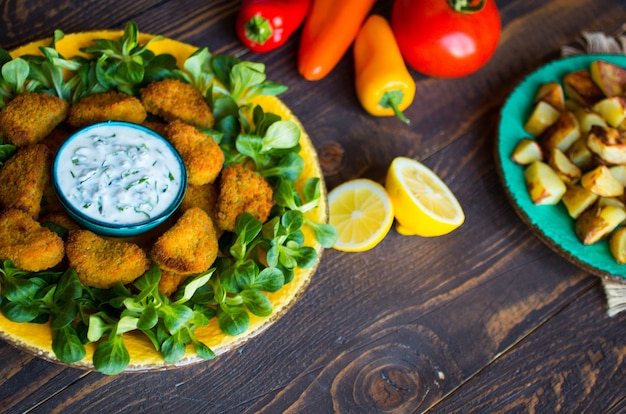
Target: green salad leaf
(13, 76)
(126, 65)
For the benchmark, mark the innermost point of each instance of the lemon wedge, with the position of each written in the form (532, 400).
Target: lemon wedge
(423, 203)
(362, 213)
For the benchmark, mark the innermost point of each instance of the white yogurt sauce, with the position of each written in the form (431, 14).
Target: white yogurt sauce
(118, 174)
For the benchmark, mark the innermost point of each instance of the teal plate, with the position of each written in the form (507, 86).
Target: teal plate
(552, 224)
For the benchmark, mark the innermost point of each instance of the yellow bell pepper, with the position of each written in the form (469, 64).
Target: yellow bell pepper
(384, 86)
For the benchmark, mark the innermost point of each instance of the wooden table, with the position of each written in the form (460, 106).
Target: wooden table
(486, 319)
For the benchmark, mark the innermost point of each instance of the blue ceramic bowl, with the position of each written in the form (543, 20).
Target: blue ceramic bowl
(119, 179)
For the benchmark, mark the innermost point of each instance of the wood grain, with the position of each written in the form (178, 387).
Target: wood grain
(486, 319)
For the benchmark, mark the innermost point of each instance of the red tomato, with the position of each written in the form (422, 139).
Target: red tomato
(437, 40)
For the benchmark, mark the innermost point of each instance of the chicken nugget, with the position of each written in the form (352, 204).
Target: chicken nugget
(55, 139)
(30, 117)
(23, 179)
(102, 263)
(242, 191)
(170, 281)
(156, 126)
(49, 201)
(27, 244)
(173, 99)
(61, 219)
(202, 156)
(190, 246)
(205, 197)
(106, 106)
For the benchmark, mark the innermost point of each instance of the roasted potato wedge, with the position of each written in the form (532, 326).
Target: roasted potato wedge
(600, 181)
(617, 245)
(609, 144)
(609, 77)
(527, 151)
(564, 167)
(543, 116)
(622, 126)
(579, 87)
(588, 118)
(580, 154)
(612, 109)
(561, 134)
(577, 199)
(551, 93)
(598, 222)
(619, 172)
(612, 201)
(543, 183)
(572, 106)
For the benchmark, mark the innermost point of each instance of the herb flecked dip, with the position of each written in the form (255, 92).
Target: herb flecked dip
(118, 174)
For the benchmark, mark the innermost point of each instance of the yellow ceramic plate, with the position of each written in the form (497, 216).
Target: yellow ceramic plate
(37, 339)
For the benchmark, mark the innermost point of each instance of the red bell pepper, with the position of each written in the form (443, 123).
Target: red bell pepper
(264, 25)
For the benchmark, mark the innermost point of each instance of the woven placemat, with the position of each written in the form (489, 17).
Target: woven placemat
(615, 44)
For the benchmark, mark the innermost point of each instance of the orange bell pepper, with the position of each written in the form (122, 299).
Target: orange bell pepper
(328, 32)
(384, 85)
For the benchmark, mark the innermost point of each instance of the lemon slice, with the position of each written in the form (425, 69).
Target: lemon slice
(423, 203)
(362, 213)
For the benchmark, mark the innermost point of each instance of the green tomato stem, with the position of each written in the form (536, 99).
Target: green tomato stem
(467, 6)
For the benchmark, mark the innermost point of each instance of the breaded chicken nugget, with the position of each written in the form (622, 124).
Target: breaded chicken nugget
(60, 219)
(205, 197)
(55, 139)
(242, 191)
(23, 179)
(156, 126)
(170, 281)
(30, 117)
(27, 244)
(202, 156)
(190, 246)
(106, 106)
(101, 263)
(172, 99)
(49, 201)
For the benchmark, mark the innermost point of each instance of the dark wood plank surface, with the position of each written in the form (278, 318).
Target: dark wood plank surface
(486, 319)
